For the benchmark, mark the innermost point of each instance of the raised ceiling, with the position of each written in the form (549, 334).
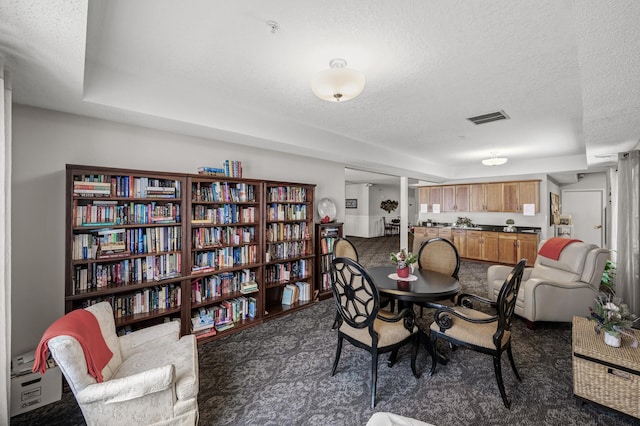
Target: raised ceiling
(565, 72)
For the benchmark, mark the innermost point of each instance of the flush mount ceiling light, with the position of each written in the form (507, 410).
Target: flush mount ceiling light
(494, 160)
(338, 83)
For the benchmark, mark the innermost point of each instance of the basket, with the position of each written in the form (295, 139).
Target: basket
(603, 374)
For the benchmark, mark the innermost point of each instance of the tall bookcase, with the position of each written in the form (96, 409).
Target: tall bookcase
(289, 247)
(125, 243)
(326, 235)
(225, 234)
(215, 252)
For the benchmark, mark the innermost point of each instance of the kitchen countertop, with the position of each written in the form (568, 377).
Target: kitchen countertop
(492, 228)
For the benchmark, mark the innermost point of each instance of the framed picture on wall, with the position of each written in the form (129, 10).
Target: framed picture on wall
(554, 209)
(351, 203)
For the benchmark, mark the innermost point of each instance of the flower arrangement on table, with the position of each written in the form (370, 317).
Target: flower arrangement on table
(404, 260)
(612, 316)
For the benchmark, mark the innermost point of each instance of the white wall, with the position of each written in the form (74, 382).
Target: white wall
(356, 221)
(45, 141)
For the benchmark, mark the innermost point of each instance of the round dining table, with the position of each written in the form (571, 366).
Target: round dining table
(422, 286)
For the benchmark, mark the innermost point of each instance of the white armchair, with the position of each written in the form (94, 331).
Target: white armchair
(152, 378)
(555, 290)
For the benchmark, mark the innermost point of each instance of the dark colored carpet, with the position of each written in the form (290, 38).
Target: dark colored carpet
(279, 374)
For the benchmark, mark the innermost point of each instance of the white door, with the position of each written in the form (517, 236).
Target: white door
(585, 208)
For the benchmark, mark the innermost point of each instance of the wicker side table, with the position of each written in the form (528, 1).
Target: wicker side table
(603, 374)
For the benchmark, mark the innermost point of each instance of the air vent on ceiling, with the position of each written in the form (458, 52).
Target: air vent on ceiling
(488, 118)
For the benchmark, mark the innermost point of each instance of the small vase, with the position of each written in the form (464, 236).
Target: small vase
(403, 272)
(611, 340)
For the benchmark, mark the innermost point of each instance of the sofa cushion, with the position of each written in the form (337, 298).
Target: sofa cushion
(182, 353)
(567, 268)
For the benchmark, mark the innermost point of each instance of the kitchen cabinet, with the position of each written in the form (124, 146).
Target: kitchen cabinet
(455, 198)
(529, 193)
(490, 249)
(482, 197)
(445, 233)
(527, 247)
(507, 248)
(459, 237)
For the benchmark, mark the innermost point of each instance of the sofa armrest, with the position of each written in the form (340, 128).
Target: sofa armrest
(149, 338)
(128, 388)
(559, 301)
(501, 272)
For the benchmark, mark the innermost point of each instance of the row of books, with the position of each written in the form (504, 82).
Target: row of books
(213, 286)
(232, 168)
(294, 194)
(109, 212)
(325, 262)
(227, 214)
(223, 235)
(224, 315)
(143, 301)
(95, 276)
(125, 186)
(287, 231)
(224, 257)
(283, 272)
(298, 292)
(326, 245)
(325, 280)
(223, 192)
(105, 244)
(333, 231)
(286, 250)
(286, 212)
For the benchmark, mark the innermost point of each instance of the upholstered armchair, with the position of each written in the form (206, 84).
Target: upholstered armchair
(151, 379)
(555, 290)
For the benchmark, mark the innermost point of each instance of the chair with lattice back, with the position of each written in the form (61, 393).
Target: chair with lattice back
(463, 326)
(364, 324)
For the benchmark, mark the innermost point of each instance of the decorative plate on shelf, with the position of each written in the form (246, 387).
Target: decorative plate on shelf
(326, 207)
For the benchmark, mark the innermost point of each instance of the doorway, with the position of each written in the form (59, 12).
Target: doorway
(587, 214)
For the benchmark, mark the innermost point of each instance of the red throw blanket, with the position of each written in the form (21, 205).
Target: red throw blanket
(554, 246)
(83, 326)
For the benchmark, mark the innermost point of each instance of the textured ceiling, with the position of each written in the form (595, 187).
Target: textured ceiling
(566, 73)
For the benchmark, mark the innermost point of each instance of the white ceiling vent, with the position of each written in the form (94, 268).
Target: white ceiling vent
(488, 118)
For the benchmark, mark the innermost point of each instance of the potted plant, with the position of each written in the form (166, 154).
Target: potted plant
(464, 222)
(510, 227)
(608, 275)
(403, 261)
(612, 316)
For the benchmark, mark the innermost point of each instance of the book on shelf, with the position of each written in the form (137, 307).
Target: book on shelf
(287, 295)
(224, 326)
(249, 287)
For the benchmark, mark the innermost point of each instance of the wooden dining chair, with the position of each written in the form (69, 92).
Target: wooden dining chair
(364, 324)
(463, 326)
(342, 247)
(439, 255)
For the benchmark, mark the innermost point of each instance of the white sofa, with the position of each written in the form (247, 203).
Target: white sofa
(152, 378)
(555, 290)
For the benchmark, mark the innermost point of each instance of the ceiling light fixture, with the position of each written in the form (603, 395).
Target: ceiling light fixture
(494, 160)
(338, 83)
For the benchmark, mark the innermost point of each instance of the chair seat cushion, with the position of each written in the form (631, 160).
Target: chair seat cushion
(475, 334)
(181, 353)
(389, 333)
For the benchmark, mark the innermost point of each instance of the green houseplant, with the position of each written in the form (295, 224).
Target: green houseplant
(608, 277)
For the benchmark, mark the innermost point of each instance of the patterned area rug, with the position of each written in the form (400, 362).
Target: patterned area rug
(279, 374)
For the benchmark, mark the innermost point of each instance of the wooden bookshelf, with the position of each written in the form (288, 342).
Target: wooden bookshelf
(163, 246)
(125, 243)
(225, 244)
(289, 245)
(326, 235)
